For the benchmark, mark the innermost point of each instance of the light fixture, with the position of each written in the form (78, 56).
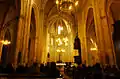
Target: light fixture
(60, 50)
(59, 41)
(76, 3)
(57, 2)
(70, 7)
(66, 44)
(5, 42)
(94, 43)
(93, 49)
(66, 5)
(60, 28)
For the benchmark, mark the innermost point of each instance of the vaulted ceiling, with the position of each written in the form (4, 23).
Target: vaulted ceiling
(51, 9)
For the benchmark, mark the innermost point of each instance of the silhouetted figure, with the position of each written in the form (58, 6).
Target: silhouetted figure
(79, 72)
(42, 68)
(54, 72)
(9, 68)
(20, 69)
(84, 69)
(27, 68)
(114, 69)
(97, 72)
(35, 68)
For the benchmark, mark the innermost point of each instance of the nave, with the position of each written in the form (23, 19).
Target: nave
(73, 39)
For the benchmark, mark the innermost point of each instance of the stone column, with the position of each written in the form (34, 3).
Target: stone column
(44, 54)
(18, 41)
(20, 32)
(107, 34)
(103, 33)
(84, 52)
(39, 33)
(30, 53)
(1, 45)
(36, 48)
(99, 32)
(26, 33)
(82, 35)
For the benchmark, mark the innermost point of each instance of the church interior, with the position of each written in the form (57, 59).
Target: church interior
(63, 33)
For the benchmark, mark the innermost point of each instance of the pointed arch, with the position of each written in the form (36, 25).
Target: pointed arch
(91, 38)
(6, 49)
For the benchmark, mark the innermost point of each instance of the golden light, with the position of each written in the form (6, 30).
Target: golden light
(66, 44)
(51, 41)
(66, 5)
(48, 48)
(93, 49)
(58, 50)
(65, 39)
(70, 7)
(32, 2)
(57, 1)
(60, 29)
(5, 42)
(57, 39)
(62, 50)
(76, 3)
(95, 45)
(60, 43)
(91, 40)
(60, 64)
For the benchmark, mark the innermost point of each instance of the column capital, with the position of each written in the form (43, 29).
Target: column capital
(41, 9)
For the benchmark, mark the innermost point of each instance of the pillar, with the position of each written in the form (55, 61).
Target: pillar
(99, 32)
(1, 45)
(26, 32)
(20, 32)
(31, 53)
(83, 38)
(107, 34)
(103, 33)
(40, 36)
(44, 54)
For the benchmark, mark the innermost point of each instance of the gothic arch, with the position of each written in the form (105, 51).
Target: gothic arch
(89, 17)
(6, 49)
(36, 12)
(91, 37)
(64, 16)
(32, 35)
(7, 35)
(110, 17)
(113, 15)
(53, 19)
(24, 13)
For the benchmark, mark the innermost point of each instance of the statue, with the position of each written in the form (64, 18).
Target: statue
(77, 46)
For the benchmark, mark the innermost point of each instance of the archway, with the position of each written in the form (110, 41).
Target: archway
(60, 40)
(114, 18)
(6, 49)
(91, 38)
(31, 42)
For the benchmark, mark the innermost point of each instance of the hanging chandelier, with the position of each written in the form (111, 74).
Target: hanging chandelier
(66, 5)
